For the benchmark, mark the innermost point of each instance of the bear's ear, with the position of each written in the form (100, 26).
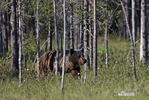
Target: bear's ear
(71, 51)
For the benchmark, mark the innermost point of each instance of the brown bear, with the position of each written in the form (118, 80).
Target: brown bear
(74, 59)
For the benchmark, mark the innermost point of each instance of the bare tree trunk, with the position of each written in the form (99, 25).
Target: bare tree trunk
(64, 49)
(20, 44)
(106, 35)
(77, 37)
(127, 14)
(1, 42)
(138, 17)
(71, 27)
(133, 21)
(86, 43)
(50, 36)
(144, 36)
(56, 37)
(132, 44)
(37, 38)
(4, 32)
(81, 27)
(91, 34)
(14, 39)
(95, 42)
(61, 38)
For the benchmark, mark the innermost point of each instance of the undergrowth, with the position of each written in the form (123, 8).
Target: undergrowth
(111, 81)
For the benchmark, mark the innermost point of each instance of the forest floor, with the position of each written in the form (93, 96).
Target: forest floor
(113, 83)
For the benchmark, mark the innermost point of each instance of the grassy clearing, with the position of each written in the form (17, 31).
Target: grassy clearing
(110, 81)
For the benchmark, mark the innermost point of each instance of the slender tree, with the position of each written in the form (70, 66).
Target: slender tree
(49, 35)
(64, 49)
(81, 26)
(1, 42)
(71, 26)
(90, 33)
(14, 39)
(95, 41)
(85, 38)
(20, 44)
(138, 17)
(133, 21)
(56, 37)
(127, 15)
(144, 34)
(106, 34)
(132, 44)
(4, 32)
(37, 38)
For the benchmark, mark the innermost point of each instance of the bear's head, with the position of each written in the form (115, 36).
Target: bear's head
(77, 59)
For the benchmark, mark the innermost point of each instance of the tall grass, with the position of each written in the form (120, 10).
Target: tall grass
(110, 81)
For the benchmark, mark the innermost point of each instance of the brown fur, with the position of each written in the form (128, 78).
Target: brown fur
(74, 59)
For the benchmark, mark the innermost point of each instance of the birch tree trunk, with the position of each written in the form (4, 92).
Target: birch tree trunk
(106, 35)
(95, 42)
(86, 43)
(91, 34)
(56, 37)
(71, 27)
(144, 36)
(133, 20)
(50, 36)
(127, 15)
(14, 39)
(132, 44)
(81, 27)
(20, 44)
(64, 48)
(37, 38)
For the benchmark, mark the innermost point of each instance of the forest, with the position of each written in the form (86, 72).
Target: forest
(74, 49)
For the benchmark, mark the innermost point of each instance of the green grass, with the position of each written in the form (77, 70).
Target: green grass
(110, 81)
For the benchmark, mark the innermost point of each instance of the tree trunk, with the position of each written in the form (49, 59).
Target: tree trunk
(14, 39)
(71, 27)
(95, 42)
(50, 36)
(81, 27)
(1, 42)
(133, 21)
(56, 37)
(144, 36)
(86, 43)
(91, 34)
(106, 35)
(20, 44)
(138, 17)
(64, 49)
(132, 44)
(127, 15)
(37, 38)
